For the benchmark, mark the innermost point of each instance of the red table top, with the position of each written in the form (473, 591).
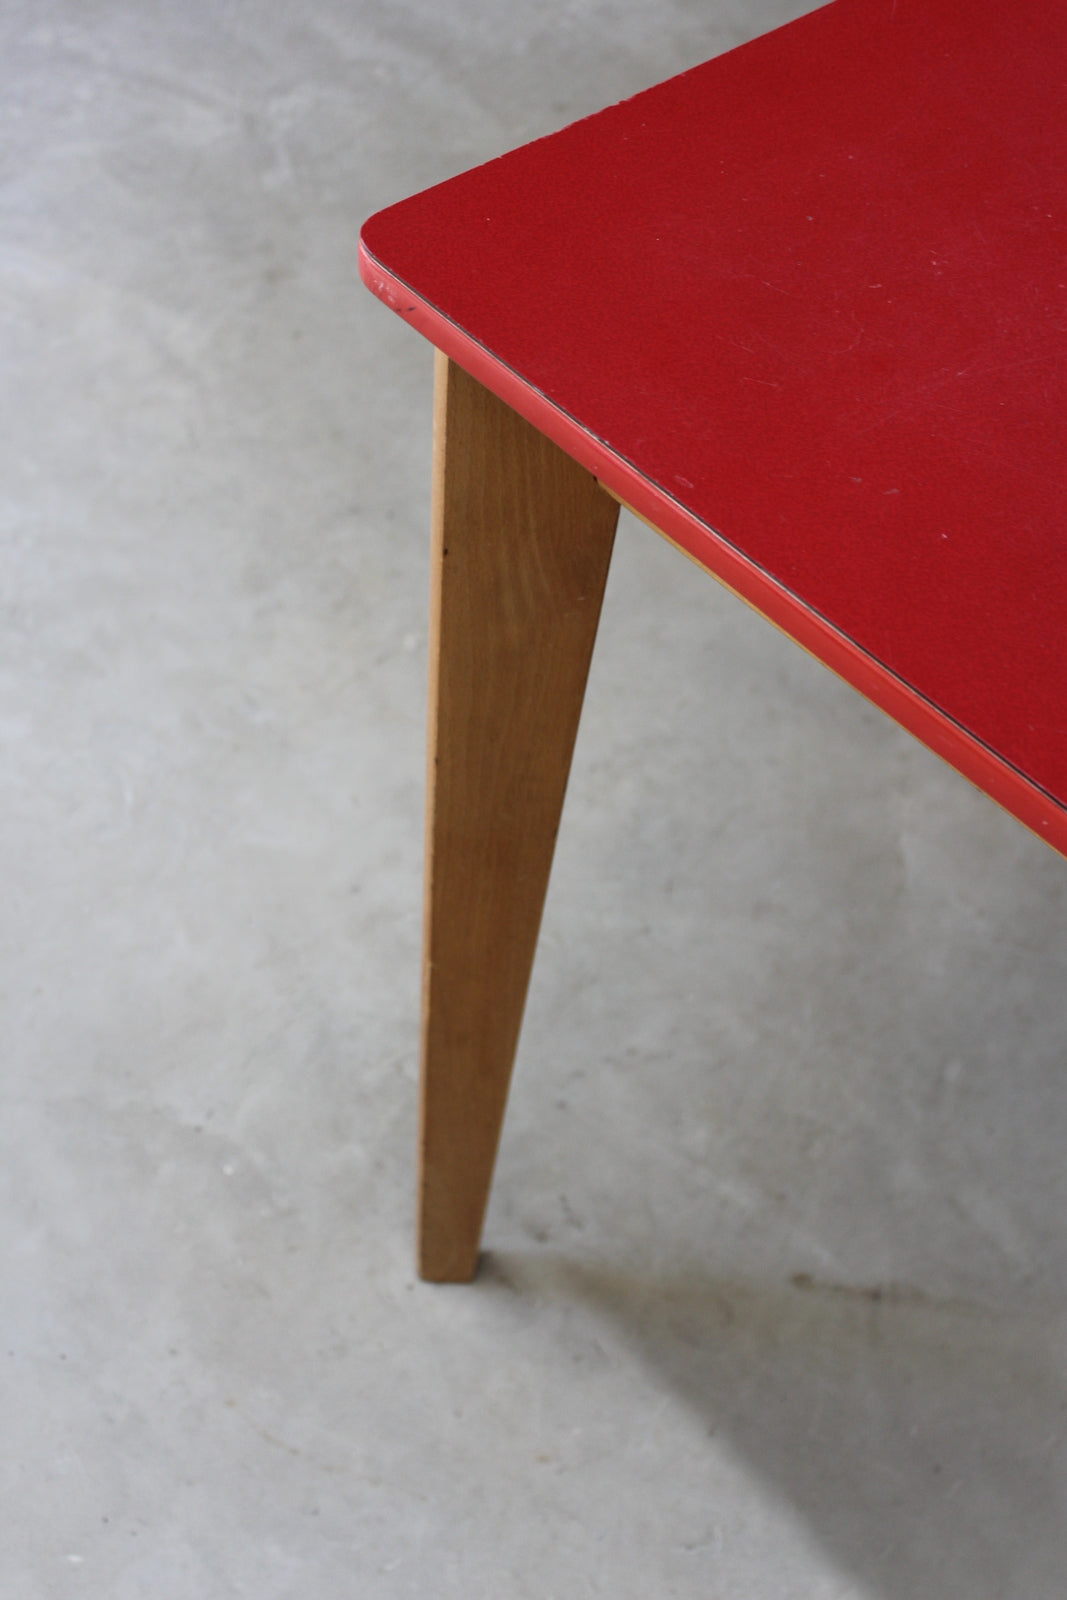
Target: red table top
(804, 307)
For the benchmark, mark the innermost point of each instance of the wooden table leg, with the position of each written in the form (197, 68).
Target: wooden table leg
(522, 540)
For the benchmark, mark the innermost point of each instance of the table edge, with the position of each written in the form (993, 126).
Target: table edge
(961, 749)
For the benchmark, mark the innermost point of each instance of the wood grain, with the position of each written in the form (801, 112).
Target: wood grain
(522, 539)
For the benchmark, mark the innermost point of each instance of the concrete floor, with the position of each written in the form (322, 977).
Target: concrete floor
(774, 1306)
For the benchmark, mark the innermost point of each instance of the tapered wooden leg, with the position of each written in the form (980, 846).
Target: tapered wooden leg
(522, 540)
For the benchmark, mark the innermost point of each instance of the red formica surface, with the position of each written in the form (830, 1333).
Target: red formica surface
(804, 307)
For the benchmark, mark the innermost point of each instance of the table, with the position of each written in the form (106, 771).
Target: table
(803, 310)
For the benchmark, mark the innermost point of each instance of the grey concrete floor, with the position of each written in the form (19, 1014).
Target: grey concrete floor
(774, 1304)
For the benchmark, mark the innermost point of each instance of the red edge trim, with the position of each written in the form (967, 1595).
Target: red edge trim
(1002, 782)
